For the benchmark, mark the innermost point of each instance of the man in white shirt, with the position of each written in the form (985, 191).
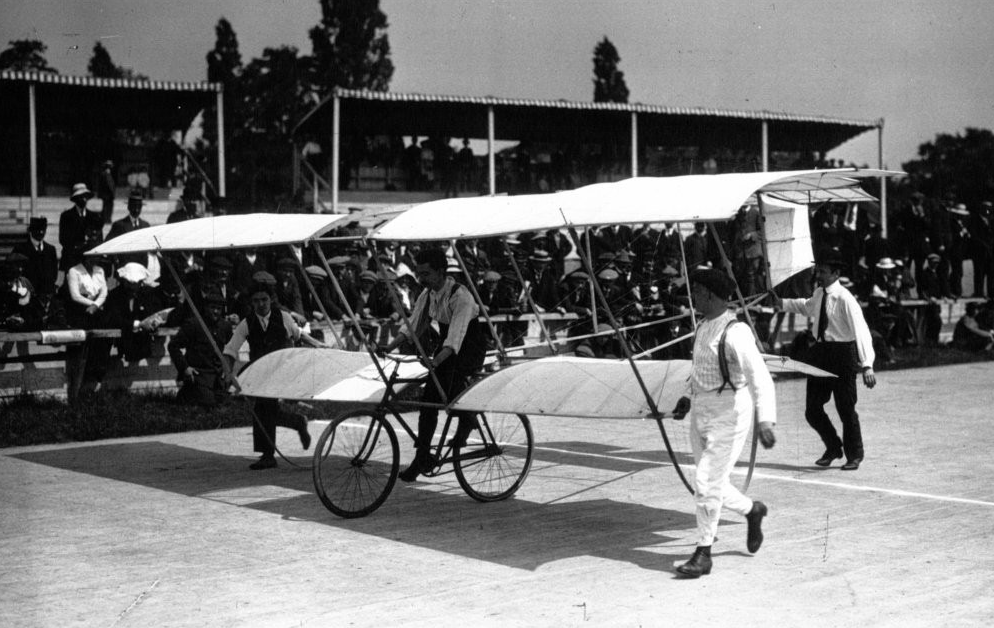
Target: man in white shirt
(461, 353)
(728, 384)
(843, 346)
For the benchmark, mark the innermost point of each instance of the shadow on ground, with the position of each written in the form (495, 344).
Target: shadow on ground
(515, 533)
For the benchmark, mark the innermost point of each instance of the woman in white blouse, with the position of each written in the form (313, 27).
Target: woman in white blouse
(87, 293)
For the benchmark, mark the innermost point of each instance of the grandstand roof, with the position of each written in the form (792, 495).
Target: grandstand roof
(393, 113)
(73, 102)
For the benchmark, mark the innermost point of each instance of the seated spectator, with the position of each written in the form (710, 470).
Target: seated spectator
(19, 309)
(198, 367)
(287, 289)
(604, 345)
(131, 307)
(968, 335)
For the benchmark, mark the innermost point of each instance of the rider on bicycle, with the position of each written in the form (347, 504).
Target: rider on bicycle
(460, 354)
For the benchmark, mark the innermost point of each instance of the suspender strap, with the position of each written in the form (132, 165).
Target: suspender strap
(726, 379)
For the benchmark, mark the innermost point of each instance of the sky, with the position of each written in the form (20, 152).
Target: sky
(922, 66)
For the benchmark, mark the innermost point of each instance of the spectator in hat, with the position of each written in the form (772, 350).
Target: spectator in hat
(959, 248)
(106, 188)
(497, 298)
(325, 296)
(41, 267)
(982, 249)
(73, 224)
(288, 289)
(19, 310)
(268, 329)
(619, 299)
(844, 347)
(198, 366)
(133, 221)
(245, 263)
(697, 247)
(915, 227)
(542, 283)
(192, 203)
(130, 307)
(604, 345)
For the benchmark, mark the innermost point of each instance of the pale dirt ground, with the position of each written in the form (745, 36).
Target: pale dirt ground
(175, 531)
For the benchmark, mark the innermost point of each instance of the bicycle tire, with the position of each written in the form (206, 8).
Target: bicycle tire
(356, 461)
(496, 459)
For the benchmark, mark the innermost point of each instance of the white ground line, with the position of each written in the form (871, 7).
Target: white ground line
(851, 487)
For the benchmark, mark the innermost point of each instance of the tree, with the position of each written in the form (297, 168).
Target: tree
(25, 55)
(609, 82)
(101, 65)
(224, 63)
(350, 47)
(961, 164)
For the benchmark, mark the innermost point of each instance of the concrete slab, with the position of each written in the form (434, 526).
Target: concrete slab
(175, 531)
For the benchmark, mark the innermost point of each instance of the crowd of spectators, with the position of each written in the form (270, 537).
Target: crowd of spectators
(640, 270)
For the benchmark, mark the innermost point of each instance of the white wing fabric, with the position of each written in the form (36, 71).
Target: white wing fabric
(579, 387)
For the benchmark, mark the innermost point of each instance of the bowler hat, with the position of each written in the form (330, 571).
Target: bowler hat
(136, 195)
(830, 258)
(80, 189)
(37, 222)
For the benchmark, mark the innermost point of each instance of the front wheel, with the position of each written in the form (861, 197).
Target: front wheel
(496, 457)
(355, 464)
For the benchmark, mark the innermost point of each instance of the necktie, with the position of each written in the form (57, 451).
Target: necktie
(823, 316)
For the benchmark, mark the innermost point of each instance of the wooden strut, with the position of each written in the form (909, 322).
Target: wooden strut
(654, 409)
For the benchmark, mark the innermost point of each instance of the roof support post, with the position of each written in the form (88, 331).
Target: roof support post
(766, 146)
(635, 144)
(491, 157)
(336, 137)
(33, 147)
(221, 168)
(883, 180)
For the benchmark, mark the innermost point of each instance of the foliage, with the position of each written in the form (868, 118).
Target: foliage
(30, 420)
(609, 82)
(101, 65)
(350, 47)
(25, 55)
(962, 164)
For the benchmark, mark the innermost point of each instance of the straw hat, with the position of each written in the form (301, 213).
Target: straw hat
(886, 263)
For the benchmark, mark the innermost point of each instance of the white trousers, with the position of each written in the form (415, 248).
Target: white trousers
(719, 425)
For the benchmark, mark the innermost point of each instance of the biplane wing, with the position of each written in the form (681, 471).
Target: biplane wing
(578, 387)
(305, 374)
(222, 232)
(638, 200)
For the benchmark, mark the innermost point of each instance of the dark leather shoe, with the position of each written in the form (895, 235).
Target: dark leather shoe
(266, 462)
(754, 538)
(827, 457)
(698, 565)
(852, 465)
(305, 437)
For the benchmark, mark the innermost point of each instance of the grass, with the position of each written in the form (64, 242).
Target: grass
(37, 420)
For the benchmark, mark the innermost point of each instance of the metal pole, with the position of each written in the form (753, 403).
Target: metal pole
(635, 144)
(883, 180)
(766, 146)
(222, 186)
(33, 147)
(686, 281)
(491, 157)
(336, 137)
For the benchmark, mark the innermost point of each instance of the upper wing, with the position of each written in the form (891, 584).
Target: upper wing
(222, 232)
(578, 387)
(638, 200)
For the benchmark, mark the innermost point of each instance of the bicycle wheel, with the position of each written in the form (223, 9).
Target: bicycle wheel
(355, 464)
(496, 458)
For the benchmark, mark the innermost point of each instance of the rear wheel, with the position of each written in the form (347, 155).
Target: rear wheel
(355, 464)
(496, 457)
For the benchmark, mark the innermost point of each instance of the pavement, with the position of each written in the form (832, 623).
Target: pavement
(174, 530)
